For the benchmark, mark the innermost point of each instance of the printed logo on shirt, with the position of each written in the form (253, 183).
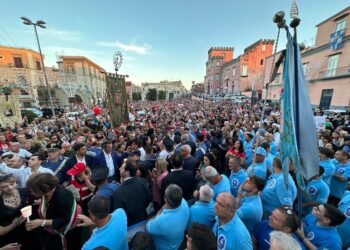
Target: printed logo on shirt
(341, 170)
(347, 212)
(271, 184)
(221, 241)
(234, 183)
(312, 190)
(310, 236)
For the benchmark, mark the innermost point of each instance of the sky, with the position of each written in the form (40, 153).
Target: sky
(159, 39)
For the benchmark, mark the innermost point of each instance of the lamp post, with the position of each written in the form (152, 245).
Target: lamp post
(41, 24)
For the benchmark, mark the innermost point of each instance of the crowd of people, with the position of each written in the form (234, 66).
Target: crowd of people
(183, 174)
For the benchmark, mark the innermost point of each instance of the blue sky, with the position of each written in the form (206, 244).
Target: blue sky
(159, 39)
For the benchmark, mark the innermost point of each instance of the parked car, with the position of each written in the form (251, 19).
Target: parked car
(37, 112)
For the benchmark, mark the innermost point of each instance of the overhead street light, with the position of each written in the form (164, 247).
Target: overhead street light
(41, 24)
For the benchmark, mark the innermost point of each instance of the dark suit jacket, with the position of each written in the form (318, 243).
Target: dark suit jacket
(100, 159)
(72, 161)
(182, 178)
(134, 196)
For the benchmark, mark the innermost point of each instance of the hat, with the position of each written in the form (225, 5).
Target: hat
(135, 152)
(168, 142)
(209, 172)
(49, 150)
(77, 169)
(99, 173)
(347, 138)
(260, 151)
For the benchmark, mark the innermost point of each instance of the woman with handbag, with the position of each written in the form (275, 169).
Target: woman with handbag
(57, 213)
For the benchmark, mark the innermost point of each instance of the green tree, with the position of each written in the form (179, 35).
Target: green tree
(161, 95)
(171, 95)
(136, 97)
(151, 95)
(30, 115)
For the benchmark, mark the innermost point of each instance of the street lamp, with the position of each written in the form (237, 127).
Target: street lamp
(41, 24)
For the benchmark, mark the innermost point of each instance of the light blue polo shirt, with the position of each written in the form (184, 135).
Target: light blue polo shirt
(203, 213)
(248, 150)
(259, 170)
(338, 187)
(318, 191)
(269, 161)
(250, 211)
(168, 228)
(233, 235)
(276, 194)
(321, 237)
(112, 235)
(344, 229)
(329, 170)
(236, 180)
(273, 148)
(221, 187)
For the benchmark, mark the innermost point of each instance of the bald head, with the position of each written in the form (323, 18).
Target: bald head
(228, 200)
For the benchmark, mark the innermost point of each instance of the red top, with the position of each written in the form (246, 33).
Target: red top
(84, 191)
(236, 153)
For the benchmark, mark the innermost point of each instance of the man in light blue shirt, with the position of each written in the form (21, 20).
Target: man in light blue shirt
(203, 210)
(340, 178)
(344, 229)
(168, 227)
(230, 231)
(250, 209)
(259, 168)
(219, 183)
(248, 148)
(317, 192)
(238, 176)
(111, 229)
(275, 193)
(327, 164)
(269, 157)
(320, 228)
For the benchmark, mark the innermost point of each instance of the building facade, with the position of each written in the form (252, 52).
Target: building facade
(244, 73)
(173, 88)
(326, 64)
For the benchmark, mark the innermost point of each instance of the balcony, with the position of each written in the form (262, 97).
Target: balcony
(328, 74)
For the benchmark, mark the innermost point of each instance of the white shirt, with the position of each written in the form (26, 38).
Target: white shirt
(23, 153)
(143, 153)
(83, 160)
(110, 164)
(22, 174)
(163, 154)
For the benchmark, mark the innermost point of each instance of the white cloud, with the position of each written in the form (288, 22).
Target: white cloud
(62, 35)
(141, 50)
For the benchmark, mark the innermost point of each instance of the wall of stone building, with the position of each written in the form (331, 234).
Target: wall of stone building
(14, 105)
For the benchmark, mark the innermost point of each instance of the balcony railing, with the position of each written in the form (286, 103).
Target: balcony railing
(337, 72)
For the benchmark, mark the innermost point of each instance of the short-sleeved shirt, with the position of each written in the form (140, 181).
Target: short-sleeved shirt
(321, 237)
(250, 211)
(329, 170)
(236, 180)
(168, 228)
(112, 235)
(232, 235)
(221, 187)
(276, 194)
(344, 229)
(338, 187)
(318, 191)
(258, 169)
(203, 213)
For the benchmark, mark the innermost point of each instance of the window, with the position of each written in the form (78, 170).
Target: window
(217, 77)
(263, 48)
(1, 57)
(217, 64)
(278, 78)
(18, 62)
(38, 65)
(332, 65)
(340, 25)
(262, 62)
(305, 67)
(245, 70)
(70, 69)
(234, 71)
